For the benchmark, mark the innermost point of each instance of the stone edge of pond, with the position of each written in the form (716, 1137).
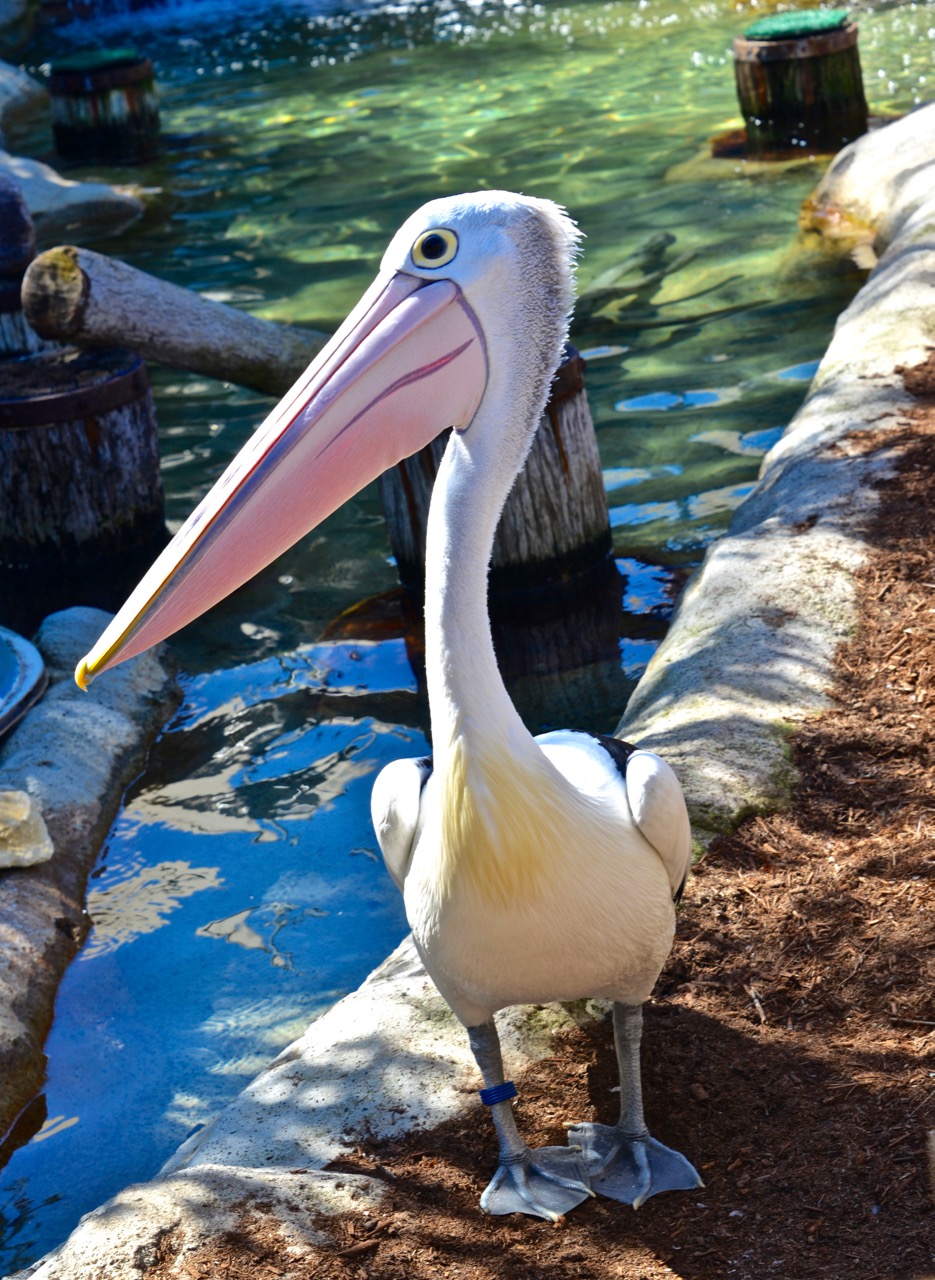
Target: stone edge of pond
(74, 753)
(749, 652)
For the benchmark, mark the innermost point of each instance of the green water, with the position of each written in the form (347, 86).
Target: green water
(296, 150)
(244, 854)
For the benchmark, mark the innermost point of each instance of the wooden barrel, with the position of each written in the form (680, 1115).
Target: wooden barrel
(104, 107)
(555, 528)
(56, 13)
(799, 83)
(79, 462)
(561, 666)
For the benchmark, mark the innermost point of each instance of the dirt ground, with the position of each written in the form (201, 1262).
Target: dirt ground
(788, 1049)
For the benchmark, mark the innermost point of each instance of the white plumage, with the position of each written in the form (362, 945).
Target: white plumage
(532, 869)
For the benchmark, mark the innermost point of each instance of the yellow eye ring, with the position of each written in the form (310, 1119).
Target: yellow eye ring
(435, 248)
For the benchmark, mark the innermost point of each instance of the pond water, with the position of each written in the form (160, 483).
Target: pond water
(240, 891)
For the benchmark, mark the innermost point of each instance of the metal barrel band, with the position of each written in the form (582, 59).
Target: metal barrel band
(104, 391)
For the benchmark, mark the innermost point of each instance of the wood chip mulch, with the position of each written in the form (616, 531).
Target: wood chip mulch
(788, 1050)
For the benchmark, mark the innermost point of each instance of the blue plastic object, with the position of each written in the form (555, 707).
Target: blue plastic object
(23, 678)
(498, 1093)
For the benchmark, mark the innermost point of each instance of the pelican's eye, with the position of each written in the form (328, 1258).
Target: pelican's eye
(435, 248)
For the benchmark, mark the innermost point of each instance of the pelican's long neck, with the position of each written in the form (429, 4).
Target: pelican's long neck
(495, 791)
(466, 690)
(522, 310)
(467, 697)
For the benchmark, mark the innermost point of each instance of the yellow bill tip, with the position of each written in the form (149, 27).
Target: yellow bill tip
(83, 675)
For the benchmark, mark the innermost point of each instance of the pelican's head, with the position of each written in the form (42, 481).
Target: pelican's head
(468, 285)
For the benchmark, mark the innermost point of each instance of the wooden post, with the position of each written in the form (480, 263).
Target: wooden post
(75, 295)
(555, 525)
(104, 107)
(561, 664)
(799, 84)
(79, 461)
(17, 249)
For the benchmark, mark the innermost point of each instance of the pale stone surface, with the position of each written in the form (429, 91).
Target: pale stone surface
(388, 1058)
(71, 756)
(63, 751)
(24, 837)
(62, 209)
(172, 1217)
(751, 646)
(876, 184)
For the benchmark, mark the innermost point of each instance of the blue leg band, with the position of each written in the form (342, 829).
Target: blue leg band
(498, 1093)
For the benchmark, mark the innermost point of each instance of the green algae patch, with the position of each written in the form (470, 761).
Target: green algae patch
(799, 22)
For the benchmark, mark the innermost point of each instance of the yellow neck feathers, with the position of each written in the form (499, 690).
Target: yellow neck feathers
(507, 824)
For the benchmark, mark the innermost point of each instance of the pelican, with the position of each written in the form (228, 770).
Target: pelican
(532, 869)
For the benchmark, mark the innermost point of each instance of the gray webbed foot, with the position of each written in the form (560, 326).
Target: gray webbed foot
(546, 1182)
(631, 1168)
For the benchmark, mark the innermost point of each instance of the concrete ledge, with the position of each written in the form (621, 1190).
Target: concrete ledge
(752, 642)
(360, 1072)
(74, 754)
(165, 1222)
(876, 184)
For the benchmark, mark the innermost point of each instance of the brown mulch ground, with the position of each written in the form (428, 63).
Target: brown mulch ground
(788, 1050)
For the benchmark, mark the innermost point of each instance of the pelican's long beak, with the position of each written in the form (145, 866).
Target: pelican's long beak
(409, 361)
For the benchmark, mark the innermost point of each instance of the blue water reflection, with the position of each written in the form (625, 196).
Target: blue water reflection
(249, 842)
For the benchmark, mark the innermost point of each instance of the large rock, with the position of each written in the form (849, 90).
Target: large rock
(71, 757)
(751, 647)
(62, 209)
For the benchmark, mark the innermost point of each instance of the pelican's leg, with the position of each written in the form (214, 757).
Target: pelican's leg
(546, 1181)
(624, 1162)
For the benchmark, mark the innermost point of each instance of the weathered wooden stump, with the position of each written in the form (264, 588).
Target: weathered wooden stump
(79, 462)
(555, 526)
(799, 83)
(562, 666)
(104, 107)
(76, 295)
(17, 250)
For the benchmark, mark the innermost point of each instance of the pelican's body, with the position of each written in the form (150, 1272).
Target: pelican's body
(532, 869)
(519, 853)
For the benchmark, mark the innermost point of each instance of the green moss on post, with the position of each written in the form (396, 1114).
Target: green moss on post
(799, 84)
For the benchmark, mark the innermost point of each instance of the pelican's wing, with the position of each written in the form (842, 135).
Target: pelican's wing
(658, 808)
(600, 765)
(395, 804)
